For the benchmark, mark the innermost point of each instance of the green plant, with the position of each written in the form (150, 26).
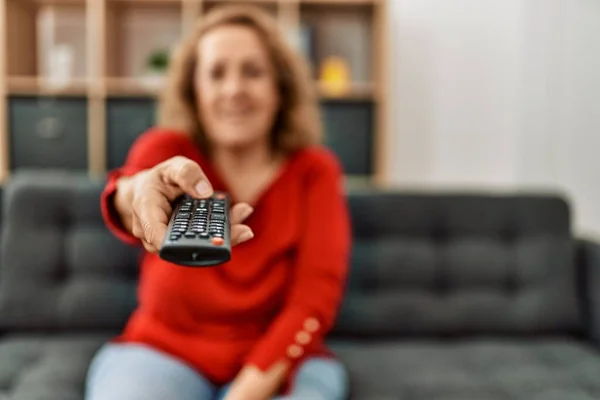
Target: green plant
(159, 60)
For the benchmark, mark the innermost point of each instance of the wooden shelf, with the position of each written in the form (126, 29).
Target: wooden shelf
(26, 85)
(148, 87)
(357, 91)
(132, 87)
(109, 43)
(38, 32)
(135, 29)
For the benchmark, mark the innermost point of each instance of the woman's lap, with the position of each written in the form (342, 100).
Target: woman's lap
(135, 372)
(316, 379)
(132, 372)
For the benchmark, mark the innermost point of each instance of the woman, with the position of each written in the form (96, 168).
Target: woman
(238, 115)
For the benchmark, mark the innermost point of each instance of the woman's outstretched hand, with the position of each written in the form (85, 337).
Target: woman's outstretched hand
(153, 191)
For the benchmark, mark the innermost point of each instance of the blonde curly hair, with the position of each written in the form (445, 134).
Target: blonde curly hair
(297, 123)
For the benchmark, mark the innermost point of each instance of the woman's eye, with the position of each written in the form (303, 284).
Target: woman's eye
(217, 73)
(253, 71)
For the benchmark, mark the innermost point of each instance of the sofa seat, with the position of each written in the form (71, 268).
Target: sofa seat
(485, 369)
(39, 367)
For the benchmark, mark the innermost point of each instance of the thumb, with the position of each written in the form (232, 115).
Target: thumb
(187, 175)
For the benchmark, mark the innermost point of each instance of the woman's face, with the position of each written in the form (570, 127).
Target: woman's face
(235, 87)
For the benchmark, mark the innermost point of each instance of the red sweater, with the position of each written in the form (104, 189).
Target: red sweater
(279, 294)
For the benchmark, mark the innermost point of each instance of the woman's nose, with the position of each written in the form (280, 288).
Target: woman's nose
(233, 85)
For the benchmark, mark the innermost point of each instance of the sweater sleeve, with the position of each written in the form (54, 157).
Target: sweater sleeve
(320, 273)
(148, 150)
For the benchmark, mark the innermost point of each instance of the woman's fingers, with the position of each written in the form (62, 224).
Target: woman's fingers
(152, 215)
(186, 175)
(239, 213)
(152, 205)
(240, 233)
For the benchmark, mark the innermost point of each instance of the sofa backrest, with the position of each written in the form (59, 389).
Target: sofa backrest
(453, 264)
(60, 269)
(422, 263)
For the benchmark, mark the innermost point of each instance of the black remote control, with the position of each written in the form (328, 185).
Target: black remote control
(198, 232)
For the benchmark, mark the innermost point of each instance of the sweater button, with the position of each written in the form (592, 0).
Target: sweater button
(294, 351)
(311, 324)
(303, 337)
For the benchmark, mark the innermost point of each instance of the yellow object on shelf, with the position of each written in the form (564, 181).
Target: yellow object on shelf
(334, 76)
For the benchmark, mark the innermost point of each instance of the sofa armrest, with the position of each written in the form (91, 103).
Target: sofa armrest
(588, 263)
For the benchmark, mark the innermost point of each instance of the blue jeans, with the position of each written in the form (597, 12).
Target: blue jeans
(138, 372)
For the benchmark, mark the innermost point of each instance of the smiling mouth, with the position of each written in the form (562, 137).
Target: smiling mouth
(237, 115)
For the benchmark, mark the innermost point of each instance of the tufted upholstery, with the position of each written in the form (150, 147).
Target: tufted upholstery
(475, 369)
(39, 367)
(60, 269)
(450, 297)
(458, 264)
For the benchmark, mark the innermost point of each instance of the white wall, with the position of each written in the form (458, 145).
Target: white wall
(498, 94)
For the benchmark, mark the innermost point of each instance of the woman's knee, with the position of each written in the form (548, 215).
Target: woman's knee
(320, 379)
(138, 372)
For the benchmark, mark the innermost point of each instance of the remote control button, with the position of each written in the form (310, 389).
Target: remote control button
(218, 217)
(190, 235)
(203, 235)
(217, 241)
(220, 196)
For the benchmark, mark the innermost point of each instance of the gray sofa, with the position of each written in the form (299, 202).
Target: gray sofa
(466, 296)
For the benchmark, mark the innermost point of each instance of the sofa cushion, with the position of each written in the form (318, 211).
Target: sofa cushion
(43, 368)
(60, 267)
(459, 264)
(483, 369)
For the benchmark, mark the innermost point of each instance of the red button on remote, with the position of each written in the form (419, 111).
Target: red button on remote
(220, 196)
(217, 241)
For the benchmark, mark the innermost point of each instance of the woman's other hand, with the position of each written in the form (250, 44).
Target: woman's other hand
(153, 191)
